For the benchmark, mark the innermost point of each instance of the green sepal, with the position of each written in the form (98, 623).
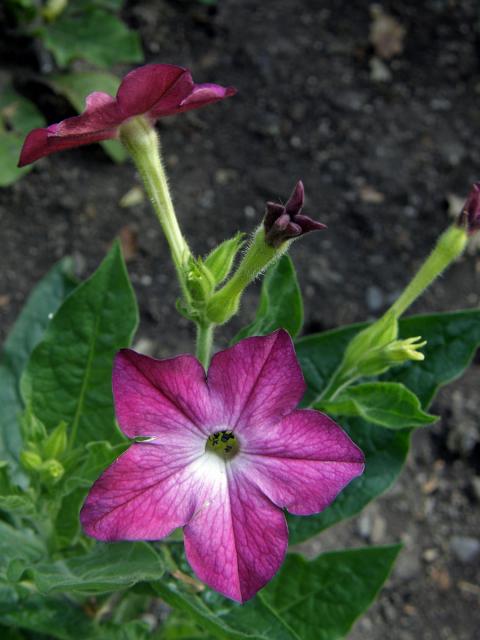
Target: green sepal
(56, 442)
(220, 261)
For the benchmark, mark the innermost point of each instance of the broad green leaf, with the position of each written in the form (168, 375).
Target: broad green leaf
(69, 373)
(107, 567)
(16, 544)
(452, 339)
(98, 456)
(280, 304)
(389, 404)
(76, 486)
(18, 116)
(35, 316)
(95, 36)
(54, 617)
(77, 86)
(20, 505)
(318, 599)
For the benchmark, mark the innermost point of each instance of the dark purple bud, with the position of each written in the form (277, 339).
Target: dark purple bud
(469, 217)
(283, 222)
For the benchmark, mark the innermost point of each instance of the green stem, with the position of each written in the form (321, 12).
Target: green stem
(450, 246)
(141, 141)
(204, 343)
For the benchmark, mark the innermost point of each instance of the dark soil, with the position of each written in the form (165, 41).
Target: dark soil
(382, 147)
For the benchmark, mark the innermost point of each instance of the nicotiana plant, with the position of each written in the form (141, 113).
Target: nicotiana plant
(221, 452)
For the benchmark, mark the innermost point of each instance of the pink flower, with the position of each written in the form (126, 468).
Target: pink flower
(154, 90)
(226, 455)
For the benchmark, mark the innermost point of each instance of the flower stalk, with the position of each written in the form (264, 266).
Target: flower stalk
(449, 247)
(141, 141)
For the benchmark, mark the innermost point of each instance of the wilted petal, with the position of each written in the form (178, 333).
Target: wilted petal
(303, 462)
(257, 381)
(237, 541)
(167, 398)
(146, 493)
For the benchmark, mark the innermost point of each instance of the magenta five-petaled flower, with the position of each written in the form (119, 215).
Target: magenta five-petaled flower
(226, 454)
(154, 90)
(284, 222)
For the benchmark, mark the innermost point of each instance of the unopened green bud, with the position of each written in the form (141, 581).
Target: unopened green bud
(225, 303)
(53, 8)
(220, 261)
(56, 443)
(52, 471)
(199, 281)
(32, 428)
(30, 460)
(377, 361)
(373, 337)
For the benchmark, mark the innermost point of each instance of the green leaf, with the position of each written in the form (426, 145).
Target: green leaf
(69, 373)
(95, 36)
(54, 617)
(280, 305)
(107, 567)
(18, 116)
(77, 86)
(318, 599)
(452, 339)
(76, 486)
(42, 303)
(388, 404)
(16, 544)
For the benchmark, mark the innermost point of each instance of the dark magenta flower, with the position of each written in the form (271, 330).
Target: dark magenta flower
(154, 90)
(470, 214)
(283, 222)
(227, 453)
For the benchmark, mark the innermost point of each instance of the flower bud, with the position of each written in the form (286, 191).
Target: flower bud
(52, 471)
(469, 217)
(31, 461)
(198, 280)
(377, 361)
(56, 443)
(284, 222)
(220, 261)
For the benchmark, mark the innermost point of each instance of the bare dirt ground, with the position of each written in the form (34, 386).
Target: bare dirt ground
(385, 147)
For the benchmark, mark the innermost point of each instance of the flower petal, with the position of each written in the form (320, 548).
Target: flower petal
(303, 462)
(149, 491)
(203, 94)
(167, 398)
(238, 540)
(149, 89)
(258, 381)
(43, 142)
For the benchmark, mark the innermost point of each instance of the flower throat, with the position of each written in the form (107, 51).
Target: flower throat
(223, 443)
